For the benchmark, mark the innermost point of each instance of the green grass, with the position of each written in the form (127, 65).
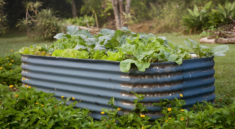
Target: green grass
(15, 41)
(224, 66)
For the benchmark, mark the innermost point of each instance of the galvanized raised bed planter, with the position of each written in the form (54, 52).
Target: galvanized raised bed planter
(94, 82)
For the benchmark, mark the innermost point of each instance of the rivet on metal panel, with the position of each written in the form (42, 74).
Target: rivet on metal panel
(150, 85)
(153, 94)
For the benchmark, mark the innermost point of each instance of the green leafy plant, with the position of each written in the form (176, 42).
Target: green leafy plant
(221, 14)
(100, 9)
(122, 45)
(27, 108)
(203, 51)
(197, 19)
(47, 24)
(81, 21)
(201, 115)
(42, 23)
(10, 70)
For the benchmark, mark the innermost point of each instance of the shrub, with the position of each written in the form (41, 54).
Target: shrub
(197, 20)
(207, 17)
(10, 70)
(81, 21)
(42, 23)
(47, 23)
(220, 15)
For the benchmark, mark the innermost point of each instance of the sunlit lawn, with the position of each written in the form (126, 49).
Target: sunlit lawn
(17, 40)
(224, 66)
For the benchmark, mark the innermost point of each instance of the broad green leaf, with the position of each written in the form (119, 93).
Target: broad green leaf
(57, 52)
(107, 32)
(100, 47)
(126, 65)
(142, 66)
(219, 50)
(59, 36)
(172, 57)
(80, 47)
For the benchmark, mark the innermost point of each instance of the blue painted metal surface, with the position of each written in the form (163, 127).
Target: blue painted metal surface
(94, 82)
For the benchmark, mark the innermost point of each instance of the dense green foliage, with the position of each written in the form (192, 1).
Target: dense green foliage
(46, 24)
(208, 16)
(3, 19)
(10, 70)
(81, 21)
(43, 23)
(121, 45)
(25, 107)
(160, 13)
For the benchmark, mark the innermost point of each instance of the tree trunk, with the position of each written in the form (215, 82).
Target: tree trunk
(128, 6)
(74, 10)
(27, 23)
(121, 6)
(117, 14)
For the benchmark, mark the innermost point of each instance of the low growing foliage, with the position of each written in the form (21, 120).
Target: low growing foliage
(10, 70)
(25, 107)
(30, 109)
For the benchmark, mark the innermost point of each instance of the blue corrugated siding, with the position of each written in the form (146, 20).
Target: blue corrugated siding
(94, 82)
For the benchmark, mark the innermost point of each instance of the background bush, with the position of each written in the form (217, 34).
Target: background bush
(210, 15)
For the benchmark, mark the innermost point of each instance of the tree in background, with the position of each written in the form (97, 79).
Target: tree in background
(118, 11)
(29, 6)
(128, 6)
(73, 7)
(42, 23)
(3, 19)
(100, 9)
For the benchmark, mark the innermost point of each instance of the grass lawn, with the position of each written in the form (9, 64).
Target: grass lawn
(224, 66)
(17, 40)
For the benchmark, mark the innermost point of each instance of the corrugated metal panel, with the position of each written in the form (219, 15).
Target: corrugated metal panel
(94, 82)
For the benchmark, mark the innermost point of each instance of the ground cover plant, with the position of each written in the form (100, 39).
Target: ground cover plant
(120, 45)
(25, 107)
(10, 70)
